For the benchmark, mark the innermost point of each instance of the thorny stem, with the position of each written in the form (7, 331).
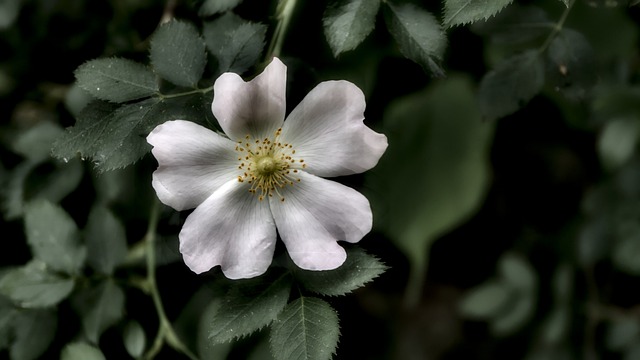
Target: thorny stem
(558, 27)
(166, 333)
(284, 12)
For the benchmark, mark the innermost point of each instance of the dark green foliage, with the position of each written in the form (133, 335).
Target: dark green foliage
(53, 237)
(521, 231)
(106, 240)
(211, 7)
(33, 286)
(347, 24)
(461, 12)
(117, 80)
(245, 309)
(234, 42)
(418, 34)
(177, 53)
(99, 307)
(306, 329)
(33, 332)
(511, 84)
(359, 269)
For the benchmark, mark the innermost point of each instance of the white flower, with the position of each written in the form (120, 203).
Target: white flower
(267, 175)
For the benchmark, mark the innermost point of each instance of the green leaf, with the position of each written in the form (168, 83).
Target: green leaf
(618, 141)
(562, 283)
(32, 286)
(347, 25)
(135, 339)
(486, 300)
(106, 240)
(517, 272)
(81, 351)
(178, 53)
(112, 137)
(306, 329)
(9, 10)
(13, 192)
(7, 316)
(100, 307)
(359, 269)
(573, 68)
(460, 12)
(633, 352)
(212, 7)
(594, 241)
(430, 130)
(76, 99)
(34, 331)
(53, 237)
(34, 144)
(114, 185)
(117, 80)
(626, 254)
(622, 333)
(514, 317)
(597, 24)
(517, 24)
(115, 137)
(53, 185)
(556, 326)
(26, 182)
(512, 84)
(236, 43)
(246, 309)
(35, 178)
(418, 34)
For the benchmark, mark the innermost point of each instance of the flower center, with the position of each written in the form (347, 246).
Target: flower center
(268, 165)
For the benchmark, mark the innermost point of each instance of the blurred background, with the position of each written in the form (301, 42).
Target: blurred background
(508, 238)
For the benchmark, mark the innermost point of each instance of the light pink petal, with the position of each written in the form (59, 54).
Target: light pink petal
(328, 132)
(231, 229)
(314, 215)
(253, 108)
(193, 162)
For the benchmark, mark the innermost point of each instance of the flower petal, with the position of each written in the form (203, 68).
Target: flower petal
(314, 215)
(253, 108)
(328, 132)
(194, 162)
(232, 229)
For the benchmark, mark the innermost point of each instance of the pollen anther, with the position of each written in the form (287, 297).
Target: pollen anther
(268, 165)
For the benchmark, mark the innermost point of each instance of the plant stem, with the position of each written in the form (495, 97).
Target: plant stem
(165, 330)
(592, 320)
(284, 12)
(186, 93)
(558, 26)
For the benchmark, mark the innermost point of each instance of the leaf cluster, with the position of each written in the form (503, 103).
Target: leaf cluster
(305, 328)
(132, 98)
(29, 294)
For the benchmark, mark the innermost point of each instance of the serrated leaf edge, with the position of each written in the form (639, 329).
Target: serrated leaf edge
(155, 89)
(301, 298)
(242, 336)
(448, 24)
(359, 286)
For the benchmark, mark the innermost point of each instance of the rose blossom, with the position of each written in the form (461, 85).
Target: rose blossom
(267, 175)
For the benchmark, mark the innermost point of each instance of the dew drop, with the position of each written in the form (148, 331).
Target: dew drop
(97, 89)
(65, 160)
